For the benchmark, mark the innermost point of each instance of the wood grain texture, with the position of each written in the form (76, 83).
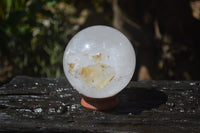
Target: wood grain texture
(51, 105)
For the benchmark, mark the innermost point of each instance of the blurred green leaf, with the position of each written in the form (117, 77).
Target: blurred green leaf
(8, 7)
(51, 3)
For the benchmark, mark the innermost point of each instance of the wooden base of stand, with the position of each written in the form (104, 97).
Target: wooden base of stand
(99, 103)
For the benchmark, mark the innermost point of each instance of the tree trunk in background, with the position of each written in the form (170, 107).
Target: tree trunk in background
(165, 37)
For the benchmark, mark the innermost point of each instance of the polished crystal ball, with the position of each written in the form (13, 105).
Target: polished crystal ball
(99, 61)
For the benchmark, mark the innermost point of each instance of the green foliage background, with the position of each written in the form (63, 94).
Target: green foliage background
(34, 33)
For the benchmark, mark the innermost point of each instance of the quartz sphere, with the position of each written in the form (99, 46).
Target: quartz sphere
(99, 61)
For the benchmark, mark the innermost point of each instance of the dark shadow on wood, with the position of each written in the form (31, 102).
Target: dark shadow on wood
(137, 100)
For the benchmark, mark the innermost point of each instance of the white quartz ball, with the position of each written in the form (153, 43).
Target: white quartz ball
(99, 61)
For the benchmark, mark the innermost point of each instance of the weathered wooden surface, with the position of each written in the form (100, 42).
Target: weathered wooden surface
(51, 105)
